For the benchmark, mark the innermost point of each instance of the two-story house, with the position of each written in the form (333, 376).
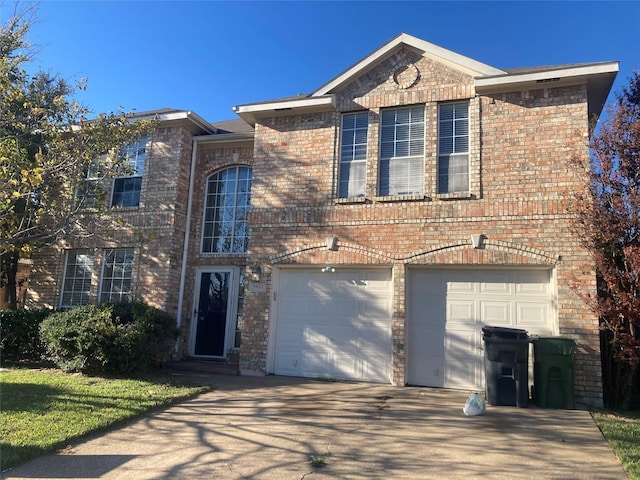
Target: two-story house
(366, 231)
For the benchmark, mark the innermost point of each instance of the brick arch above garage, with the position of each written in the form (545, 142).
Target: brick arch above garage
(492, 252)
(460, 252)
(346, 253)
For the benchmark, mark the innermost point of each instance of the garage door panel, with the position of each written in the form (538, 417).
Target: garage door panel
(346, 366)
(316, 363)
(461, 372)
(428, 340)
(374, 366)
(328, 336)
(342, 307)
(287, 361)
(461, 287)
(427, 284)
(459, 311)
(375, 341)
(498, 286)
(429, 371)
(292, 335)
(343, 318)
(460, 340)
(467, 300)
(496, 313)
(375, 309)
(533, 316)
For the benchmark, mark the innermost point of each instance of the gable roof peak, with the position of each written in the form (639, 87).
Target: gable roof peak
(422, 47)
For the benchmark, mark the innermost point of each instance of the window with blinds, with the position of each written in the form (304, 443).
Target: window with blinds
(453, 147)
(353, 155)
(401, 169)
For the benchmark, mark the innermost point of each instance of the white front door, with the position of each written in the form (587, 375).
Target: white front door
(448, 309)
(333, 324)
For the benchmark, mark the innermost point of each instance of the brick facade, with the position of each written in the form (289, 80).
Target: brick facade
(521, 189)
(155, 229)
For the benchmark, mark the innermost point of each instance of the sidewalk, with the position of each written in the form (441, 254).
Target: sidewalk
(270, 428)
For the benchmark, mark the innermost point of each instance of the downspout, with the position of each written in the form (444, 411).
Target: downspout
(185, 250)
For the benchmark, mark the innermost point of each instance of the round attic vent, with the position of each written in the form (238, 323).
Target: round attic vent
(406, 76)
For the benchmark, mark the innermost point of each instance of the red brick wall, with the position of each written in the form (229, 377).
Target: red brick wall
(521, 195)
(155, 229)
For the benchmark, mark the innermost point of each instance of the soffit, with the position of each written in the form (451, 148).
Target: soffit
(598, 77)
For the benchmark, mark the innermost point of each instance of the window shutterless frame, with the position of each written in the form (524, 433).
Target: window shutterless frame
(78, 281)
(116, 283)
(352, 174)
(127, 187)
(401, 165)
(453, 147)
(226, 209)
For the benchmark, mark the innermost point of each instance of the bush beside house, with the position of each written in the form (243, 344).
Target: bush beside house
(20, 335)
(109, 338)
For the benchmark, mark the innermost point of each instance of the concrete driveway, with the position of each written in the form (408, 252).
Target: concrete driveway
(277, 427)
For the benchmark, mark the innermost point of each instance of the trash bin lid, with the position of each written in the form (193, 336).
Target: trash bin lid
(504, 332)
(553, 346)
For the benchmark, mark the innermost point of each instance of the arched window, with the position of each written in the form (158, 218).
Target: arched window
(226, 210)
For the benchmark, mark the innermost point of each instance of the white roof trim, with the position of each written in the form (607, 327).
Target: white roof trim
(250, 112)
(489, 83)
(430, 50)
(176, 116)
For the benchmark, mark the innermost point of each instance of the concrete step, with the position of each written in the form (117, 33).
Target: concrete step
(227, 367)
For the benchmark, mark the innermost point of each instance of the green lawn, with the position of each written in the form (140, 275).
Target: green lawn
(43, 410)
(622, 431)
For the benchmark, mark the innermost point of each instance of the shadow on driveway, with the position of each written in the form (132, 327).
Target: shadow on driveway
(283, 428)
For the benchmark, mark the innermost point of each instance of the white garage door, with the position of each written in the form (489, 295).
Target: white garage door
(449, 309)
(334, 324)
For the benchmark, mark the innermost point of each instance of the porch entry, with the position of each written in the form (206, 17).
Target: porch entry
(217, 305)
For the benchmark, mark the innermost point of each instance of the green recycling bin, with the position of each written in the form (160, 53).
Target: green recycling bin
(553, 372)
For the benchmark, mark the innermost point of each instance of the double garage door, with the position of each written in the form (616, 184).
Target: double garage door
(338, 324)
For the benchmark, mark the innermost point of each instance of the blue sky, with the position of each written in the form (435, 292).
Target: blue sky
(207, 56)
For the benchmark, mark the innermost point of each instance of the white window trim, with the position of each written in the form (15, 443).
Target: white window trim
(103, 260)
(457, 194)
(92, 278)
(421, 191)
(141, 143)
(204, 210)
(364, 113)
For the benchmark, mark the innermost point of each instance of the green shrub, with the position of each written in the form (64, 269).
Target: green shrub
(20, 335)
(109, 338)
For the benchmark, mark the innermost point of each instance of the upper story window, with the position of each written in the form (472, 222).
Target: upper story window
(401, 170)
(78, 277)
(127, 187)
(88, 191)
(453, 147)
(353, 155)
(226, 210)
(117, 273)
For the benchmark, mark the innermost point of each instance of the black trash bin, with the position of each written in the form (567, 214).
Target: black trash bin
(506, 365)
(553, 372)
